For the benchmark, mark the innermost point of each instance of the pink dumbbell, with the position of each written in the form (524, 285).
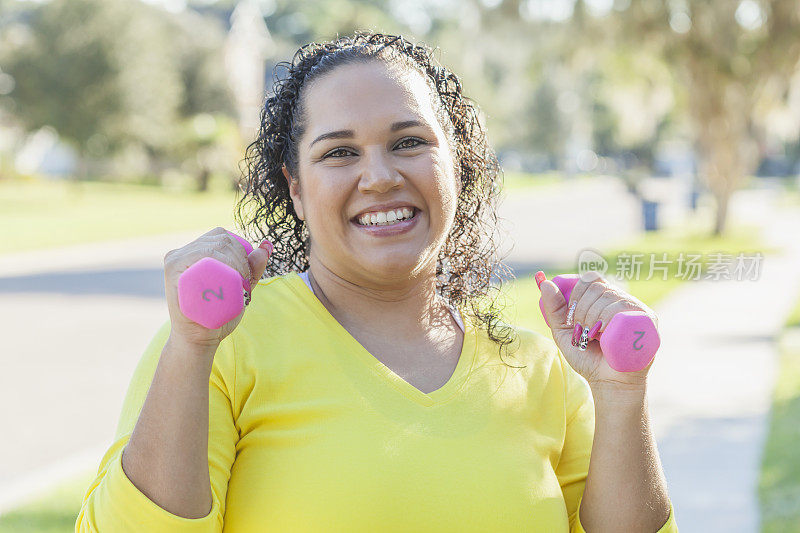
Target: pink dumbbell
(212, 293)
(630, 340)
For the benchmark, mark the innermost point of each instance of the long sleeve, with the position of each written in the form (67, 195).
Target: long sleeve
(573, 465)
(113, 503)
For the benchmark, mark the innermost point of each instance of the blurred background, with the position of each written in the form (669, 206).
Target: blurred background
(655, 140)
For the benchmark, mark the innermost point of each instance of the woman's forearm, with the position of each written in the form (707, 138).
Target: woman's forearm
(625, 486)
(166, 457)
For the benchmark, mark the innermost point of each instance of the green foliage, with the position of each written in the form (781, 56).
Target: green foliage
(548, 132)
(98, 73)
(109, 74)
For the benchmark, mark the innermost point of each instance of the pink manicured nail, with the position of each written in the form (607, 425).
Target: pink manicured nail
(576, 333)
(266, 245)
(595, 329)
(539, 277)
(570, 313)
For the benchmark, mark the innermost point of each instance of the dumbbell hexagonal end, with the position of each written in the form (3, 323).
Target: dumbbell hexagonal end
(629, 341)
(210, 293)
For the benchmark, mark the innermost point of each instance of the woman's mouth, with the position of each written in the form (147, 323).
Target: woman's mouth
(385, 223)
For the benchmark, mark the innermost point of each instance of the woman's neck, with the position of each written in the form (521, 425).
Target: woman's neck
(412, 310)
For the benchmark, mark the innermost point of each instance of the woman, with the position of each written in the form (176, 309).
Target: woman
(366, 387)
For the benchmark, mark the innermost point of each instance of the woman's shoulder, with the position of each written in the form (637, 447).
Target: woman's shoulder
(544, 359)
(519, 344)
(533, 348)
(522, 340)
(277, 292)
(277, 303)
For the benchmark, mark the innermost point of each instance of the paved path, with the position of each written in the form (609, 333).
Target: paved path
(75, 323)
(711, 385)
(548, 227)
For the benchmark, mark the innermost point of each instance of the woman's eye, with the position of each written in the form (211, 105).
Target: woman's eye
(342, 151)
(414, 143)
(410, 142)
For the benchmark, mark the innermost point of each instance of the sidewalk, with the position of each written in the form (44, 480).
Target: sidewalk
(711, 385)
(79, 319)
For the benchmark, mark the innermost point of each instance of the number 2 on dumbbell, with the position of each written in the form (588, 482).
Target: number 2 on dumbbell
(219, 296)
(196, 282)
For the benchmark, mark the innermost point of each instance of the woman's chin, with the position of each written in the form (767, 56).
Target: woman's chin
(392, 270)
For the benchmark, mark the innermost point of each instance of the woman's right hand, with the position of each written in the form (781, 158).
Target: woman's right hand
(222, 246)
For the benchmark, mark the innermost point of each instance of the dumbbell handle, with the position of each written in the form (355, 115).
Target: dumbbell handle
(208, 291)
(630, 339)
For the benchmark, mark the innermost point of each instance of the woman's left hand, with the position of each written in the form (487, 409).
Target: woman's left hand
(595, 299)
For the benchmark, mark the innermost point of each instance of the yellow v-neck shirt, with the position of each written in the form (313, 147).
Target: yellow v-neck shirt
(308, 432)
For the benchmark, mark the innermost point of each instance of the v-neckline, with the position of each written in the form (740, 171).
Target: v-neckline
(459, 377)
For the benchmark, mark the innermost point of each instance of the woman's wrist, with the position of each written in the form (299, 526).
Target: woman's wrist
(618, 395)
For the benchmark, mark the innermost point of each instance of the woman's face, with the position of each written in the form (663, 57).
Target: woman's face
(373, 147)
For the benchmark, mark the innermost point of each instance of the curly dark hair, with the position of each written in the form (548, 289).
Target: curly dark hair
(469, 257)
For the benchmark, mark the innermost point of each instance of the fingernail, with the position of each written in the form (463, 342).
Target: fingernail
(540, 277)
(570, 313)
(595, 329)
(266, 245)
(583, 342)
(576, 333)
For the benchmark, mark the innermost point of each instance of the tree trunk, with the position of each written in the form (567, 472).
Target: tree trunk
(721, 215)
(202, 180)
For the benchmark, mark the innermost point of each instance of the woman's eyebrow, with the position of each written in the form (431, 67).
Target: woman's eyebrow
(405, 124)
(348, 134)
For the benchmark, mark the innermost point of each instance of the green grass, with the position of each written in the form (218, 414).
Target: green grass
(521, 299)
(40, 215)
(694, 238)
(513, 181)
(520, 180)
(44, 214)
(53, 512)
(522, 296)
(779, 483)
(692, 242)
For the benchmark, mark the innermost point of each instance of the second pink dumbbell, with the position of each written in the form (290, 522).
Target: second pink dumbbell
(212, 293)
(629, 341)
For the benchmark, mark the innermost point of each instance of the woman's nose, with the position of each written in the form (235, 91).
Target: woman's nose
(377, 175)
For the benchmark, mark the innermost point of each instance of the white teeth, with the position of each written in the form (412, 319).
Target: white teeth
(386, 217)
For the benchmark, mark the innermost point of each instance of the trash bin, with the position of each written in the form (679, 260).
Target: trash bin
(693, 197)
(650, 215)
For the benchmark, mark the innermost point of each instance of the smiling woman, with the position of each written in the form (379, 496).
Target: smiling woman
(365, 388)
(366, 121)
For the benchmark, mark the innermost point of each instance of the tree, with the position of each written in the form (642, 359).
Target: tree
(734, 58)
(106, 75)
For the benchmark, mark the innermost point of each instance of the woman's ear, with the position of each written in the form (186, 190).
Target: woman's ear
(294, 192)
